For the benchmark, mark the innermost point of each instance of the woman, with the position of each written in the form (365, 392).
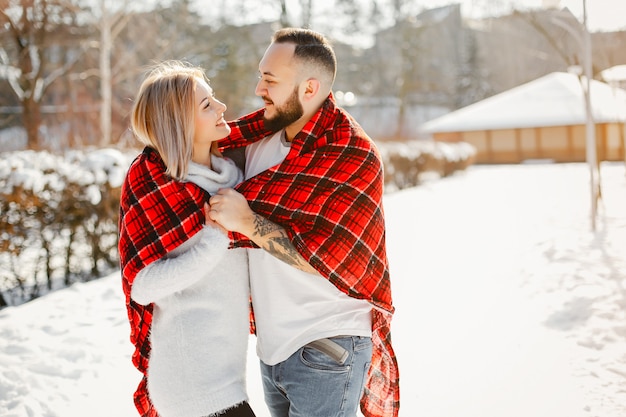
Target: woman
(187, 294)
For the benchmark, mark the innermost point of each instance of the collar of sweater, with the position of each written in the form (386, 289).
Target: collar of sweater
(223, 174)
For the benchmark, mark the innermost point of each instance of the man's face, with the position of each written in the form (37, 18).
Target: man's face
(278, 86)
(283, 116)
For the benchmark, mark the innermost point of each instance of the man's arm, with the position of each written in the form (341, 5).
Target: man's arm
(274, 239)
(245, 130)
(231, 210)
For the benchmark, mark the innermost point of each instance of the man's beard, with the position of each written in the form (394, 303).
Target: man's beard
(285, 115)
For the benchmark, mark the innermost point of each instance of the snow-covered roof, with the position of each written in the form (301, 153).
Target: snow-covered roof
(555, 99)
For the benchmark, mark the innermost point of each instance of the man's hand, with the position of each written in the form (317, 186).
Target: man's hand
(230, 209)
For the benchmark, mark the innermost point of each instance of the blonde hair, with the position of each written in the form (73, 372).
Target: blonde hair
(163, 113)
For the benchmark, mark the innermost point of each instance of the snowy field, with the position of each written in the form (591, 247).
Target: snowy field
(507, 306)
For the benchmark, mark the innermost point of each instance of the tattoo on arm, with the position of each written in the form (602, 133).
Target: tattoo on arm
(273, 238)
(263, 227)
(283, 249)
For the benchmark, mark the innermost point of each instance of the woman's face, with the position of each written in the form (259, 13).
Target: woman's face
(210, 125)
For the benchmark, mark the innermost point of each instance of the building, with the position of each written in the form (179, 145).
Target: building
(542, 119)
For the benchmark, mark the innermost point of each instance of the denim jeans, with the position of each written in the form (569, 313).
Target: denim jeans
(312, 384)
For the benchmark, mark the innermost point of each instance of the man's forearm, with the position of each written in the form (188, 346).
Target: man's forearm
(230, 210)
(274, 239)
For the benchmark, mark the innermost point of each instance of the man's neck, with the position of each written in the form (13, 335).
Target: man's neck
(293, 129)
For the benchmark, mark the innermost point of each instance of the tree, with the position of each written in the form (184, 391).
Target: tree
(111, 24)
(125, 50)
(38, 46)
(555, 28)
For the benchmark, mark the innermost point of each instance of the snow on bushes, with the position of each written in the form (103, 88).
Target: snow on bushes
(410, 163)
(58, 219)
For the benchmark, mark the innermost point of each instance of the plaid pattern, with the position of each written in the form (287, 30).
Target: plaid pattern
(157, 214)
(327, 193)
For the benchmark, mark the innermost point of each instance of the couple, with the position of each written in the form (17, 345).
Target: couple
(308, 205)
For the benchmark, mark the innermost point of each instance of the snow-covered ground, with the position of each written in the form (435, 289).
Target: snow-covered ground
(507, 306)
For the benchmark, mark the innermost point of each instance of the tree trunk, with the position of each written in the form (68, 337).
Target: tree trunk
(105, 76)
(32, 121)
(3, 302)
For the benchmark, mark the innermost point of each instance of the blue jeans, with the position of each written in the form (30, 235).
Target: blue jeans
(310, 383)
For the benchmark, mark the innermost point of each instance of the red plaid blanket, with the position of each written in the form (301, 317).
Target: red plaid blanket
(157, 214)
(327, 193)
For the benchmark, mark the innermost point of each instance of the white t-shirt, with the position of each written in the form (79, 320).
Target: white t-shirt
(293, 307)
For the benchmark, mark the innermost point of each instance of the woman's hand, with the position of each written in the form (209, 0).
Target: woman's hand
(230, 210)
(210, 222)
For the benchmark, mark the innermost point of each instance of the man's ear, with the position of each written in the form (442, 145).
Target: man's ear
(311, 88)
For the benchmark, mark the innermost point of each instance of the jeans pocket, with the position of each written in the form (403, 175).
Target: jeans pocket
(362, 343)
(316, 359)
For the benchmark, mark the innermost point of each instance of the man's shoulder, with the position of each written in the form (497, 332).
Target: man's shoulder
(347, 130)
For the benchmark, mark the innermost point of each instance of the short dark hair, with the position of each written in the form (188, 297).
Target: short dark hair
(311, 47)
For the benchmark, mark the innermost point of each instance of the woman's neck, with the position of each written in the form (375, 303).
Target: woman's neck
(202, 155)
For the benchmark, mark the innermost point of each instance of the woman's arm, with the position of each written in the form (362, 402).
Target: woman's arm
(185, 266)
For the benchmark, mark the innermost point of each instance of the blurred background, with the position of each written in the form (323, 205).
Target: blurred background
(438, 85)
(69, 69)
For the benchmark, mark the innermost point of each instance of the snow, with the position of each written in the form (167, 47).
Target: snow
(40, 171)
(614, 74)
(507, 305)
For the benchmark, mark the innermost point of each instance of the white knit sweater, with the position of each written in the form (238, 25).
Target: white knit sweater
(200, 326)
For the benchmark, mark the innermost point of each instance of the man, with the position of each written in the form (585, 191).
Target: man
(312, 200)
